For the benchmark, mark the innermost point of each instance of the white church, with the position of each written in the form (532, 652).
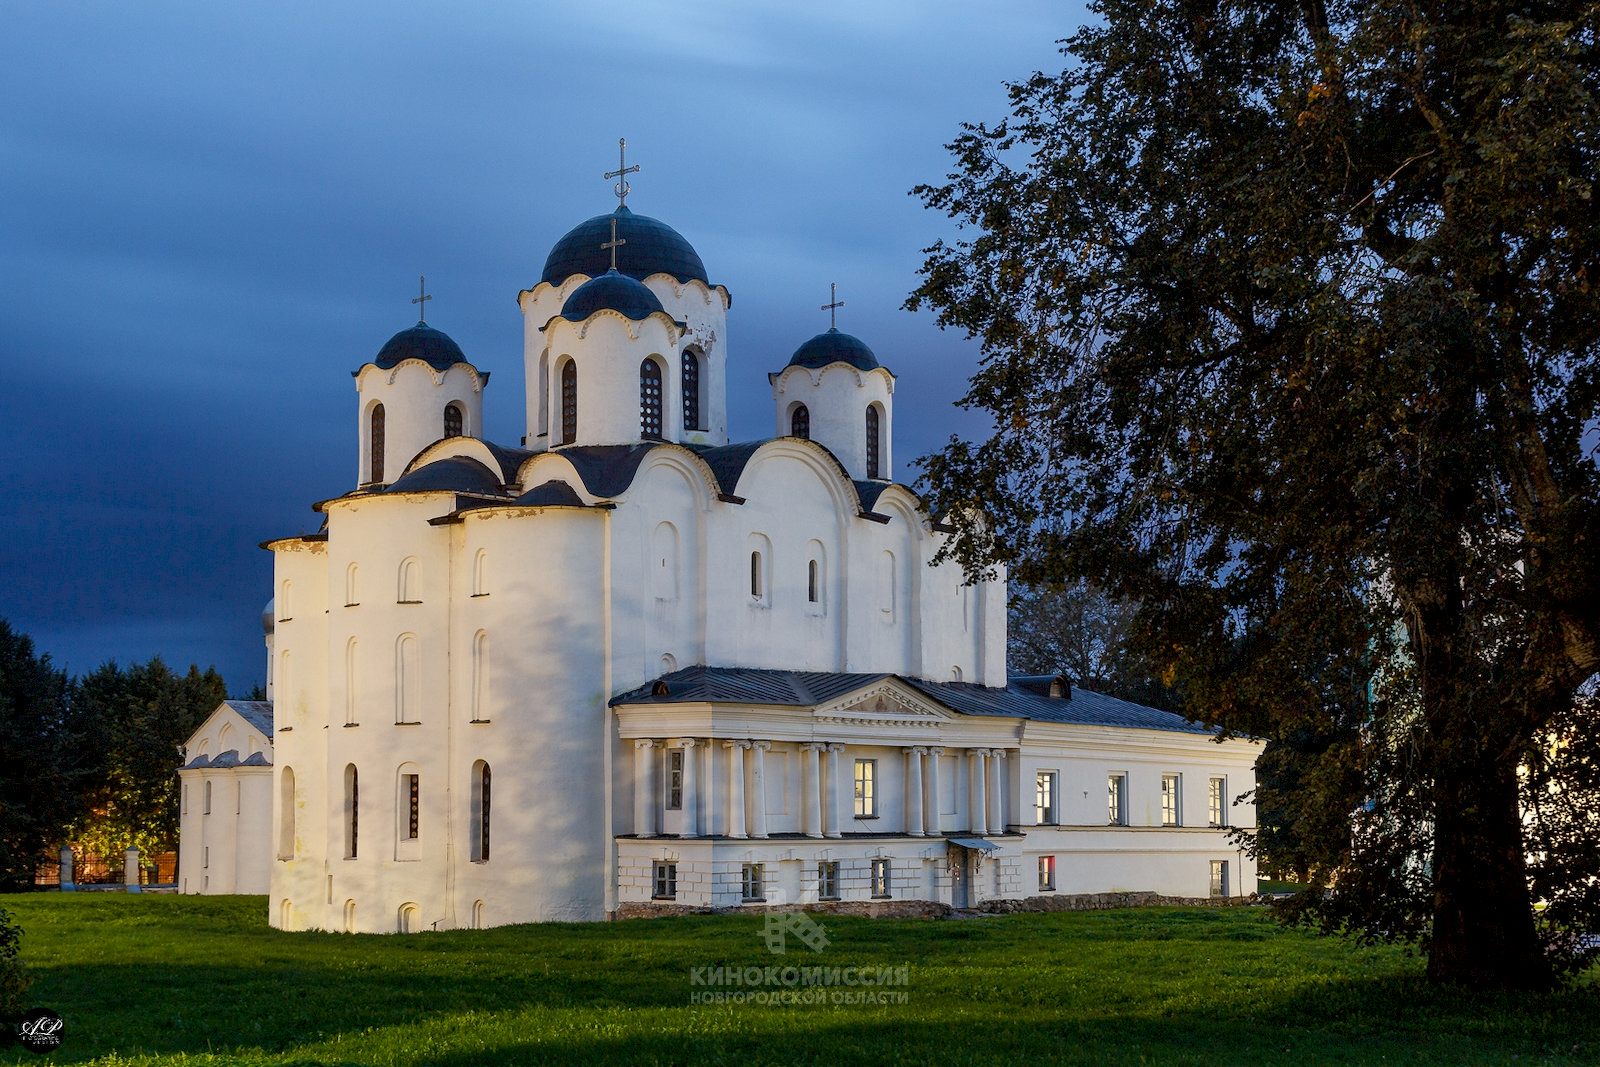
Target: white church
(630, 662)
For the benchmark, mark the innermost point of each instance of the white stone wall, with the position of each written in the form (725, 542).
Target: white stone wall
(837, 397)
(414, 397)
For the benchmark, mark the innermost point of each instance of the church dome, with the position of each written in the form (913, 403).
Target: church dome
(614, 292)
(269, 616)
(651, 247)
(422, 342)
(834, 347)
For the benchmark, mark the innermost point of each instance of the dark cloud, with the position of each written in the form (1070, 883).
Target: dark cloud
(214, 213)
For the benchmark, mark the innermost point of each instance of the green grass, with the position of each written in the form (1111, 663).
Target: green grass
(202, 980)
(1272, 885)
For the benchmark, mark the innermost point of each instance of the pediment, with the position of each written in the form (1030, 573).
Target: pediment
(887, 704)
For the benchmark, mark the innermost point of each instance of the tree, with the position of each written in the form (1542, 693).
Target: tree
(1289, 319)
(47, 755)
(145, 712)
(1081, 630)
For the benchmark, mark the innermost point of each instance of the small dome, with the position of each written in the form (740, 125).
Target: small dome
(453, 474)
(269, 616)
(612, 291)
(834, 347)
(420, 342)
(651, 247)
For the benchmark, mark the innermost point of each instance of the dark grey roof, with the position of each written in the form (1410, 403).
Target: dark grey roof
(834, 347)
(611, 292)
(748, 685)
(553, 493)
(257, 713)
(606, 470)
(727, 462)
(422, 342)
(652, 247)
(255, 759)
(461, 474)
(509, 459)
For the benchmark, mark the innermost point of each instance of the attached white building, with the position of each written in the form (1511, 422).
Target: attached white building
(629, 660)
(225, 802)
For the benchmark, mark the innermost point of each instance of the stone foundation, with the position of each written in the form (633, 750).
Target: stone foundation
(929, 909)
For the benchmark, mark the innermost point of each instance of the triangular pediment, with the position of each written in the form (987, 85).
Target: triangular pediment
(888, 703)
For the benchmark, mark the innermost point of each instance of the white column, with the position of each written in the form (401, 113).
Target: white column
(997, 791)
(834, 797)
(914, 790)
(930, 794)
(691, 788)
(757, 797)
(644, 789)
(979, 791)
(811, 789)
(736, 786)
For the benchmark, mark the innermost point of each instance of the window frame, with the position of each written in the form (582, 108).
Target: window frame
(673, 780)
(752, 883)
(1172, 800)
(1046, 798)
(866, 788)
(569, 401)
(1216, 802)
(1047, 874)
(1219, 878)
(652, 393)
(689, 379)
(882, 878)
(664, 880)
(828, 880)
(1117, 798)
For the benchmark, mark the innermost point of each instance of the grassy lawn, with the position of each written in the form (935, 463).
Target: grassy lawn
(202, 980)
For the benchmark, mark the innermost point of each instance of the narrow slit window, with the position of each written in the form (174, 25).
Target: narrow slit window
(414, 791)
(813, 593)
(755, 575)
(691, 392)
(569, 402)
(375, 444)
(872, 442)
(650, 398)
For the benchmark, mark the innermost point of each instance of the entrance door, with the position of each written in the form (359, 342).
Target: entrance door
(962, 879)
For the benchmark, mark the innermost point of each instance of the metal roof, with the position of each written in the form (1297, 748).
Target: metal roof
(423, 342)
(257, 713)
(611, 292)
(834, 347)
(650, 247)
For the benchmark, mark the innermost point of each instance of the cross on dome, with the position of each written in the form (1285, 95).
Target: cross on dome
(614, 243)
(833, 295)
(621, 173)
(421, 300)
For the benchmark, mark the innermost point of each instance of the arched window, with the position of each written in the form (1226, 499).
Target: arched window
(477, 915)
(569, 402)
(452, 420)
(408, 589)
(813, 591)
(480, 677)
(375, 444)
(479, 830)
(349, 916)
(286, 915)
(350, 588)
(285, 814)
(205, 807)
(691, 391)
(872, 441)
(800, 422)
(410, 919)
(650, 398)
(350, 682)
(480, 573)
(755, 575)
(407, 679)
(352, 811)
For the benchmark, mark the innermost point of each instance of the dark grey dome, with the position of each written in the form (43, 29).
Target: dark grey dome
(652, 247)
(420, 342)
(834, 347)
(460, 474)
(613, 291)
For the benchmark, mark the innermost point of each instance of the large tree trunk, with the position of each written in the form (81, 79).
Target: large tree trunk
(1483, 931)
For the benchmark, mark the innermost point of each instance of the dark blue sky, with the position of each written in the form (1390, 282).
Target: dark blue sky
(211, 213)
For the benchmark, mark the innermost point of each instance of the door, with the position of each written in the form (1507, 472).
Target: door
(961, 879)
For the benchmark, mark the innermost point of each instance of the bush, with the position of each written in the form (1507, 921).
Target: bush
(14, 976)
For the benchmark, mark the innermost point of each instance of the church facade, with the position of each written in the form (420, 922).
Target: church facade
(630, 661)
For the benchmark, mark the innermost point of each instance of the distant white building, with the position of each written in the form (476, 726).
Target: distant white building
(225, 802)
(630, 661)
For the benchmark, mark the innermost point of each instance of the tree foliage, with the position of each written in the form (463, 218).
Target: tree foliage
(1083, 631)
(1290, 325)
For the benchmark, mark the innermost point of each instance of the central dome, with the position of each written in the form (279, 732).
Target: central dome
(423, 342)
(651, 247)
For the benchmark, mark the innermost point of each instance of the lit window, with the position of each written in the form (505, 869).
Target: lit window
(828, 880)
(750, 885)
(1047, 873)
(880, 878)
(800, 422)
(1215, 812)
(691, 392)
(569, 402)
(1045, 799)
(872, 441)
(866, 788)
(1170, 815)
(1117, 799)
(666, 881)
(675, 779)
(1219, 878)
(650, 398)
